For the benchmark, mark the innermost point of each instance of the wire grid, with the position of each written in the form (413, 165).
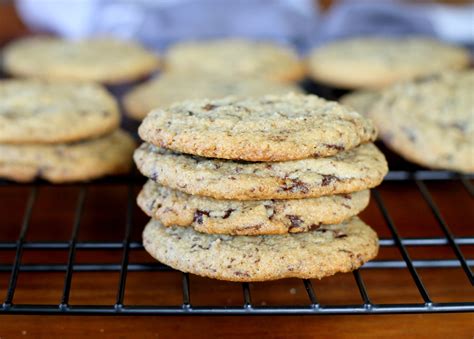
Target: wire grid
(247, 307)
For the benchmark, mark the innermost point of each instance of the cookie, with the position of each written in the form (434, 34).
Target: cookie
(316, 254)
(269, 128)
(355, 170)
(236, 57)
(172, 87)
(103, 60)
(34, 111)
(375, 62)
(79, 161)
(430, 121)
(207, 215)
(361, 101)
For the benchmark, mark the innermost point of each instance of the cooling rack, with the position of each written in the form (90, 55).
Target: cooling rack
(70, 267)
(56, 262)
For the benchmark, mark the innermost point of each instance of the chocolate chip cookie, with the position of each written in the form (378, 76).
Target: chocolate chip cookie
(375, 62)
(236, 57)
(102, 60)
(316, 254)
(34, 111)
(207, 215)
(78, 161)
(172, 87)
(269, 128)
(430, 121)
(354, 170)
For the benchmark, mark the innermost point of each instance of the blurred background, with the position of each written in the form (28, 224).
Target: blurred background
(302, 23)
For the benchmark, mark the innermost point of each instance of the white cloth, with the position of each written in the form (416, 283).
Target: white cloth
(159, 23)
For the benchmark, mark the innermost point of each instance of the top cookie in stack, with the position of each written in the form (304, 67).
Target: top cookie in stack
(259, 189)
(270, 128)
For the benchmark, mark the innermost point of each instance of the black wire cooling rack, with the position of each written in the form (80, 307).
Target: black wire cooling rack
(404, 173)
(246, 307)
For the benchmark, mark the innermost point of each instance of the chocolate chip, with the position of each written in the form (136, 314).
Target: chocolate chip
(228, 213)
(241, 274)
(152, 204)
(200, 246)
(295, 185)
(339, 234)
(336, 147)
(154, 176)
(295, 221)
(327, 179)
(209, 107)
(314, 226)
(198, 216)
(278, 137)
(346, 196)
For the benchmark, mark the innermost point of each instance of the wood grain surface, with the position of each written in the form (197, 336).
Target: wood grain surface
(103, 220)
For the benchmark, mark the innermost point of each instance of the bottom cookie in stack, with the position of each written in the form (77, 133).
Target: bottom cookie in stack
(315, 254)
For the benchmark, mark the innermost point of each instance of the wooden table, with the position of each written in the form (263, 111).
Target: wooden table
(52, 221)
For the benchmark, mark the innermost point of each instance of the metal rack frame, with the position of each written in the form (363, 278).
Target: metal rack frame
(247, 307)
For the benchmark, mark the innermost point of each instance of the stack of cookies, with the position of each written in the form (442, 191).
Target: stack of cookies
(60, 131)
(259, 189)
